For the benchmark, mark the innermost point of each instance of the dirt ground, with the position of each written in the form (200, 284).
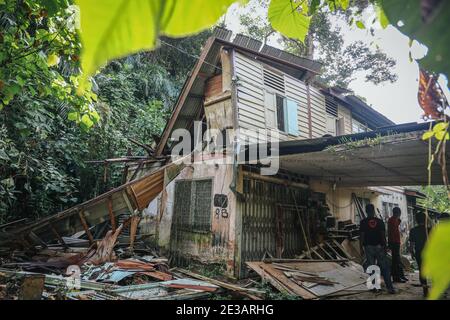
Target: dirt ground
(410, 290)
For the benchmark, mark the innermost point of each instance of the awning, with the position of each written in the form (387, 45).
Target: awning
(394, 156)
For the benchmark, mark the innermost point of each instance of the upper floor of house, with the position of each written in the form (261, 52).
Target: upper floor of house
(243, 84)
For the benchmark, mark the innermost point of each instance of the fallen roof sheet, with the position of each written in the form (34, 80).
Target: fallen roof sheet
(126, 198)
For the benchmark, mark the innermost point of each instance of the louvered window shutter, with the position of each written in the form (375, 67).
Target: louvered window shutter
(271, 110)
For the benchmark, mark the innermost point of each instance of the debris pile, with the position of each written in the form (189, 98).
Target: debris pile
(312, 279)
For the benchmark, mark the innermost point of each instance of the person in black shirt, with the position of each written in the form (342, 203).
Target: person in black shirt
(417, 239)
(373, 244)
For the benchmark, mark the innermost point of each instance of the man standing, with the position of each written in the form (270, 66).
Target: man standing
(373, 242)
(394, 244)
(417, 239)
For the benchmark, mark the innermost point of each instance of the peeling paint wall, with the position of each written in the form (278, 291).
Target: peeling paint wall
(339, 200)
(217, 245)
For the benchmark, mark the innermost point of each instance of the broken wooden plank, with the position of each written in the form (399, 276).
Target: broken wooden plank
(293, 269)
(286, 282)
(133, 229)
(33, 237)
(58, 236)
(318, 279)
(332, 249)
(85, 226)
(342, 249)
(112, 218)
(255, 266)
(321, 246)
(271, 260)
(315, 251)
(250, 293)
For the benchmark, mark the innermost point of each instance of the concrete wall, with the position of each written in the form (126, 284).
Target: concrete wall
(339, 200)
(217, 245)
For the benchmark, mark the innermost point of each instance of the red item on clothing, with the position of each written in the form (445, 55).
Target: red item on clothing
(393, 231)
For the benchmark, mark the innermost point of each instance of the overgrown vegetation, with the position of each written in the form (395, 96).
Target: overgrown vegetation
(42, 147)
(324, 42)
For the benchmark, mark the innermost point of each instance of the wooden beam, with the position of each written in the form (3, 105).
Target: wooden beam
(182, 97)
(112, 218)
(127, 201)
(133, 230)
(321, 246)
(57, 235)
(35, 238)
(85, 226)
(308, 103)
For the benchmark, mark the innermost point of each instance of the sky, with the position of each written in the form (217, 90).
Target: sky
(398, 100)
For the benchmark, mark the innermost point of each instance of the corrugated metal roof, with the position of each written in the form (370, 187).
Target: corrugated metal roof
(247, 42)
(222, 33)
(291, 58)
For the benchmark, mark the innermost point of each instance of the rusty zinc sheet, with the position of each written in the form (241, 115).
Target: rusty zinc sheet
(147, 189)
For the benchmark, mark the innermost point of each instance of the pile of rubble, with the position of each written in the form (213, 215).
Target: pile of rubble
(110, 264)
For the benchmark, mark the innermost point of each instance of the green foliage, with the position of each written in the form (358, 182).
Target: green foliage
(436, 198)
(289, 17)
(436, 259)
(429, 27)
(325, 43)
(39, 56)
(47, 132)
(116, 28)
(360, 24)
(439, 131)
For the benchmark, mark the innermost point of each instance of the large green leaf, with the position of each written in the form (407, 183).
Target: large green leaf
(290, 18)
(433, 32)
(115, 28)
(436, 259)
(182, 17)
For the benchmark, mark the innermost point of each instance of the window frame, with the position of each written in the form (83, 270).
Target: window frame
(283, 112)
(193, 199)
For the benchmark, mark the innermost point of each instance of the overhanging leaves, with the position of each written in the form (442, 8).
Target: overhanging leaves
(437, 259)
(290, 18)
(426, 26)
(115, 28)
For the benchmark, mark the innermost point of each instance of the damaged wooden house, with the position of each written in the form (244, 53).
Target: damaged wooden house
(335, 154)
(321, 154)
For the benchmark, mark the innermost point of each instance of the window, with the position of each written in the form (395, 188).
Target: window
(363, 202)
(358, 127)
(281, 113)
(331, 106)
(192, 207)
(281, 125)
(273, 80)
(331, 125)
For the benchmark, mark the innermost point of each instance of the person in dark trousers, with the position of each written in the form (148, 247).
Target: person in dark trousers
(417, 239)
(373, 243)
(397, 272)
